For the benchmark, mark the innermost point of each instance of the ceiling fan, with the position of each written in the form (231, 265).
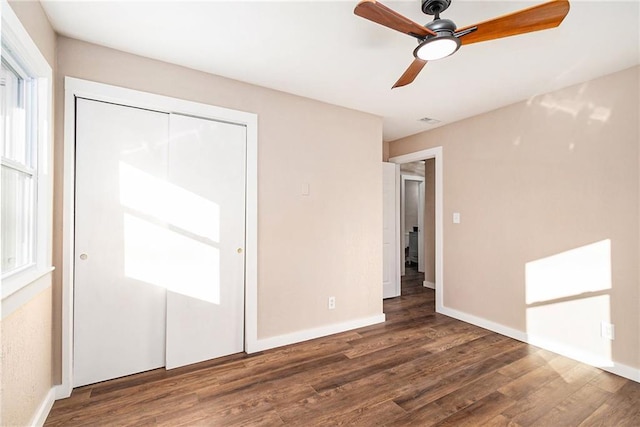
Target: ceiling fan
(441, 38)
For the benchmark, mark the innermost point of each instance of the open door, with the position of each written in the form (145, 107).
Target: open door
(391, 230)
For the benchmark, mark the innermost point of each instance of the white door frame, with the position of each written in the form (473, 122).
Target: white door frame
(107, 93)
(403, 206)
(396, 230)
(433, 153)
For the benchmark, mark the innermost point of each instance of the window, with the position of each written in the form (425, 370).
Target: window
(19, 172)
(25, 156)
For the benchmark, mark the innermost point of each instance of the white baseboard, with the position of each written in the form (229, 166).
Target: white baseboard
(484, 323)
(309, 334)
(429, 285)
(42, 413)
(556, 347)
(586, 357)
(62, 391)
(625, 371)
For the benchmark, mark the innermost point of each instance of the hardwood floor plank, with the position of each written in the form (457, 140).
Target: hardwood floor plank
(622, 408)
(530, 382)
(501, 421)
(574, 409)
(479, 412)
(537, 404)
(609, 382)
(442, 386)
(246, 382)
(419, 368)
(377, 415)
(425, 416)
(524, 365)
(472, 392)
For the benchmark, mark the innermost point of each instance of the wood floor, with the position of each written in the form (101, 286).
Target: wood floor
(419, 369)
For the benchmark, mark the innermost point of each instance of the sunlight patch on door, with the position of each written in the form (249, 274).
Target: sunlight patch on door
(171, 235)
(170, 203)
(166, 258)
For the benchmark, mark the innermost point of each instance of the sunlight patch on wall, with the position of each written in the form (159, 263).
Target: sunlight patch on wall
(567, 298)
(572, 328)
(572, 107)
(585, 269)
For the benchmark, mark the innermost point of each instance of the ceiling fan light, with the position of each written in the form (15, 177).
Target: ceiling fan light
(437, 48)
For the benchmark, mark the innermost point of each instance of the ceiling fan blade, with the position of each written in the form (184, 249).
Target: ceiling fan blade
(536, 18)
(411, 73)
(381, 14)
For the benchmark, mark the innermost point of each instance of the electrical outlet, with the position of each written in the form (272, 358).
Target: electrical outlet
(332, 303)
(607, 331)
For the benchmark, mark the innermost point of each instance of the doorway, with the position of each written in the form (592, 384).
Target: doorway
(435, 208)
(412, 220)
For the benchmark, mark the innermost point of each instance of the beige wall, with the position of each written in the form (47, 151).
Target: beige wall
(26, 372)
(26, 359)
(543, 187)
(309, 247)
(35, 21)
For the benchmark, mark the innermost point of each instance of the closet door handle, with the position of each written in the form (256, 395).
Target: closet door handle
(83, 256)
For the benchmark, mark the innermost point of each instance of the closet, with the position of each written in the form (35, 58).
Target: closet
(159, 240)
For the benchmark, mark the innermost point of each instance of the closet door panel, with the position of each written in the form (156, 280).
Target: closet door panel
(205, 300)
(119, 294)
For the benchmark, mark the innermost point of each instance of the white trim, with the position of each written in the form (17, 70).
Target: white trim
(429, 285)
(44, 408)
(554, 346)
(399, 263)
(309, 334)
(107, 93)
(484, 323)
(15, 300)
(434, 153)
(17, 41)
(585, 357)
(395, 277)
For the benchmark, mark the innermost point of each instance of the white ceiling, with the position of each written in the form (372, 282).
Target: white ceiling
(321, 50)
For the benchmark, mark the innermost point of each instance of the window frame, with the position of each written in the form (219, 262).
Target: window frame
(29, 167)
(23, 53)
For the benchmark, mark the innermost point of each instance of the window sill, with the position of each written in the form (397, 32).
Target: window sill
(20, 288)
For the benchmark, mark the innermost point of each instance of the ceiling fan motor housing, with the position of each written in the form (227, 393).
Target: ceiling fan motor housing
(442, 27)
(435, 7)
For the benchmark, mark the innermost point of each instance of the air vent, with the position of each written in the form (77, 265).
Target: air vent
(429, 120)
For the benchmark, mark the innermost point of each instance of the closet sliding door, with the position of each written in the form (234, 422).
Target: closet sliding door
(205, 304)
(160, 220)
(120, 293)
